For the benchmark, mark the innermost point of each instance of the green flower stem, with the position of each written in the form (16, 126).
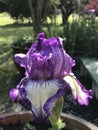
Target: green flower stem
(56, 122)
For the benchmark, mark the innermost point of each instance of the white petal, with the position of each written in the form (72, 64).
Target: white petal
(38, 92)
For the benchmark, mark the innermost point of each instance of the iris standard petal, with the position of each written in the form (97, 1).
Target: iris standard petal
(40, 96)
(20, 59)
(46, 59)
(79, 92)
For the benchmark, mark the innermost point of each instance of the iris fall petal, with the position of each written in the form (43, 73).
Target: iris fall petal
(40, 95)
(79, 92)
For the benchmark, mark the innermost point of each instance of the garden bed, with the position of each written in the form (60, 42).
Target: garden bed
(89, 113)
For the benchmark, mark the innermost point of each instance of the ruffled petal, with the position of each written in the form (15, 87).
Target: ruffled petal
(79, 92)
(46, 59)
(20, 59)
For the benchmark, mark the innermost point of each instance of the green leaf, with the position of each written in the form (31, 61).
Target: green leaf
(54, 118)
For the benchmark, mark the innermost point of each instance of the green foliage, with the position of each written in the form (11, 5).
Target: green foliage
(3, 6)
(27, 126)
(24, 41)
(18, 9)
(67, 8)
(36, 11)
(56, 122)
(54, 30)
(81, 36)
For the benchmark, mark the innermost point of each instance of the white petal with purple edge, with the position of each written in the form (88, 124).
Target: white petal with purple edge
(38, 92)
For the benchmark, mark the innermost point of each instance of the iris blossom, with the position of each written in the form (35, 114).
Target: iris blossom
(48, 74)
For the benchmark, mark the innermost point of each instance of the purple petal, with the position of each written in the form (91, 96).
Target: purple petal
(20, 59)
(14, 93)
(41, 35)
(46, 59)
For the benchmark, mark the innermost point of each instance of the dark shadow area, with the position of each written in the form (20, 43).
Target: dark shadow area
(89, 113)
(15, 25)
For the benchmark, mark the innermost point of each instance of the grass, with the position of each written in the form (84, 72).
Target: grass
(5, 19)
(8, 31)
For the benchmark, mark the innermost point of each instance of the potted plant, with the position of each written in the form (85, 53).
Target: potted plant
(21, 44)
(48, 74)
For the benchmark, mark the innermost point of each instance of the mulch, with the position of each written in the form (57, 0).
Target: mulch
(89, 113)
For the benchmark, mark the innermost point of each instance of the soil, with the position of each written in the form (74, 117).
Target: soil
(89, 113)
(27, 126)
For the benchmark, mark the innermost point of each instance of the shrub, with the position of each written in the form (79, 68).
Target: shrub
(24, 41)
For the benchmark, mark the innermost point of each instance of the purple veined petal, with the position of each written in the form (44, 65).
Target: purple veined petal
(23, 100)
(43, 95)
(43, 54)
(79, 92)
(20, 59)
(40, 96)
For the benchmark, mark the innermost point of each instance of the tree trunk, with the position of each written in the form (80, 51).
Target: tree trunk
(36, 20)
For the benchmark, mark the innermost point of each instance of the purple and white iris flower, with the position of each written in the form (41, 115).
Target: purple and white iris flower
(48, 73)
